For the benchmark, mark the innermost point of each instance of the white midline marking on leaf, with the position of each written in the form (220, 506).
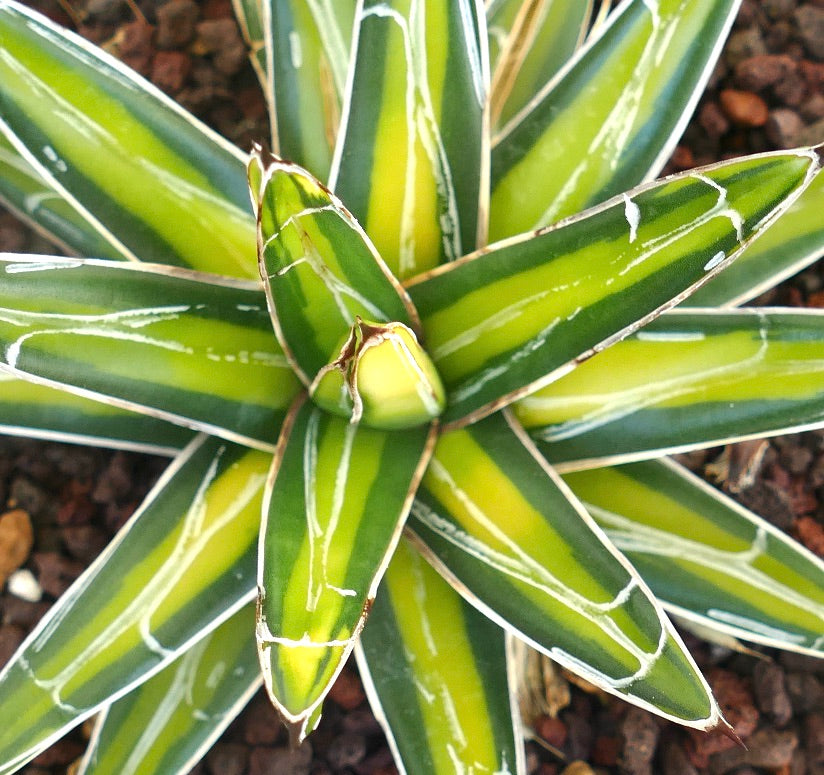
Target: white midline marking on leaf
(193, 537)
(39, 266)
(611, 140)
(321, 532)
(177, 693)
(329, 32)
(336, 287)
(421, 125)
(721, 204)
(521, 566)
(613, 406)
(295, 50)
(633, 215)
(630, 536)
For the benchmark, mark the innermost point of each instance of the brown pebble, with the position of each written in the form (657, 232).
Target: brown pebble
(814, 737)
(281, 761)
(675, 761)
(743, 108)
(56, 572)
(811, 533)
(758, 72)
(228, 759)
(11, 636)
(221, 38)
(553, 730)
(176, 22)
(170, 69)
(810, 21)
(347, 691)
(783, 127)
(712, 120)
(641, 733)
(578, 768)
(261, 723)
(767, 748)
(84, 542)
(16, 541)
(770, 691)
(59, 754)
(346, 750)
(134, 46)
(606, 750)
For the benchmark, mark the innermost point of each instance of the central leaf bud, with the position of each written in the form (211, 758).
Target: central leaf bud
(382, 378)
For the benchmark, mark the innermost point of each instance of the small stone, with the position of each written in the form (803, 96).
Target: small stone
(640, 732)
(57, 573)
(778, 9)
(176, 22)
(22, 584)
(170, 69)
(813, 109)
(758, 72)
(810, 21)
(675, 761)
(742, 44)
(134, 46)
(578, 768)
(221, 38)
(553, 730)
(281, 761)
(743, 108)
(347, 691)
(84, 542)
(16, 541)
(770, 691)
(771, 748)
(579, 737)
(11, 636)
(228, 759)
(61, 753)
(712, 120)
(17, 610)
(811, 533)
(814, 737)
(261, 723)
(606, 750)
(346, 751)
(813, 134)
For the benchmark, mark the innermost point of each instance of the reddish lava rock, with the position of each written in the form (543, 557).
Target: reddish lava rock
(744, 108)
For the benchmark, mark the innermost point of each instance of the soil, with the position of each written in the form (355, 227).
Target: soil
(64, 503)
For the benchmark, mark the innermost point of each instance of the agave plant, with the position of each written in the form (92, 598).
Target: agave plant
(432, 414)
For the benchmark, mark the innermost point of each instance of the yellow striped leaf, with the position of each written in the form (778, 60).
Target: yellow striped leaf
(319, 268)
(709, 559)
(436, 674)
(689, 379)
(194, 349)
(511, 537)
(613, 119)
(506, 320)
(180, 566)
(164, 726)
(158, 185)
(793, 242)
(409, 161)
(335, 504)
(308, 45)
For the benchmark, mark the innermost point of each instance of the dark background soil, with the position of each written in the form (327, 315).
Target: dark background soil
(64, 503)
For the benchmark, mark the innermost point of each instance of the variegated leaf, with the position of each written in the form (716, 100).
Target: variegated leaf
(308, 44)
(180, 566)
(411, 160)
(689, 379)
(157, 184)
(535, 38)
(39, 411)
(249, 15)
(436, 674)
(319, 268)
(706, 557)
(164, 726)
(636, 82)
(335, 504)
(515, 316)
(36, 202)
(514, 540)
(793, 242)
(190, 348)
